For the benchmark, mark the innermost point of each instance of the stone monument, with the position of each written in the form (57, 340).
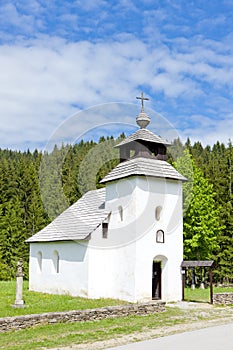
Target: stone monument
(19, 285)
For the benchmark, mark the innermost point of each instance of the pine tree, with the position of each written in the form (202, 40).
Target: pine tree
(224, 267)
(201, 223)
(50, 180)
(12, 239)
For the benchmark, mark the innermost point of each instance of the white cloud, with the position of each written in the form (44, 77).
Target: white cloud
(42, 80)
(10, 15)
(209, 130)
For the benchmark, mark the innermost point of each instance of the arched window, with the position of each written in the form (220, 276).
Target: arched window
(120, 210)
(160, 236)
(56, 261)
(39, 261)
(158, 211)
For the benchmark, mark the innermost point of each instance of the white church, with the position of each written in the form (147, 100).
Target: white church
(124, 241)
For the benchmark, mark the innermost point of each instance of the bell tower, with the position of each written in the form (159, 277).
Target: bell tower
(144, 196)
(143, 143)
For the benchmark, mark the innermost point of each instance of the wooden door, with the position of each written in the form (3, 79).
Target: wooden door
(156, 280)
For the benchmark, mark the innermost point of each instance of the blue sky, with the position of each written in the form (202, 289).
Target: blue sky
(62, 57)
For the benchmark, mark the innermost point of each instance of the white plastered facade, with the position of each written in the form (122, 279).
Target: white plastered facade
(120, 266)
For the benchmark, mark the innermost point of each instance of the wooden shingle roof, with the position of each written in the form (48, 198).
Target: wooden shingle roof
(144, 135)
(197, 263)
(77, 222)
(146, 167)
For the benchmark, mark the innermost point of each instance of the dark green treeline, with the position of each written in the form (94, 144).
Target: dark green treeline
(36, 187)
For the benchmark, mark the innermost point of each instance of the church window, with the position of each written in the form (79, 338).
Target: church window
(158, 211)
(105, 229)
(160, 236)
(39, 261)
(56, 261)
(120, 209)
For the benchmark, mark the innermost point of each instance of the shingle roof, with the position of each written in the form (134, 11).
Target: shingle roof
(146, 167)
(145, 135)
(200, 263)
(78, 221)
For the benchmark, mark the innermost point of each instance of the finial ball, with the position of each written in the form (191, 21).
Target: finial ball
(143, 120)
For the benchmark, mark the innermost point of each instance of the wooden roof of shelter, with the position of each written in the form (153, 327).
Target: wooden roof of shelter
(198, 263)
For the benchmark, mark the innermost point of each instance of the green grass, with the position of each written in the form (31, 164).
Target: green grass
(41, 302)
(203, 295)
(66, 334)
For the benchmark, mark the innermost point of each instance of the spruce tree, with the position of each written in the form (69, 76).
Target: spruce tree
(12, 239)
(202, 227)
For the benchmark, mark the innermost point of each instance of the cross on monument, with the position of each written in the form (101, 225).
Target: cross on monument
(143, 99)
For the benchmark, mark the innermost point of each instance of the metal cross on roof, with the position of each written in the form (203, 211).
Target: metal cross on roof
(143, 99)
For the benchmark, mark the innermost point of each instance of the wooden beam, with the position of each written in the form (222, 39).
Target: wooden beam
(183, 282)
(211, 286)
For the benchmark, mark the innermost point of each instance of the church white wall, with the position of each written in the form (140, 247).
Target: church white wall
(112, 260)
(111, 266)
(72, 277)
(111, 274)
(137, 232)
(166, 194)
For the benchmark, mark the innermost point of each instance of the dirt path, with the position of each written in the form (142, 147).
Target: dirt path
(212, 316)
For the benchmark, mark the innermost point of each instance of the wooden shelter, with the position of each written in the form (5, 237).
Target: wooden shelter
(198, 263)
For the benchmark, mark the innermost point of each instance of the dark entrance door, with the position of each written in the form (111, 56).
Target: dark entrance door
(156, 280)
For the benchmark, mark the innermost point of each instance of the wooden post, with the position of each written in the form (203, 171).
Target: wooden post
(211, 286)
(183, 282)
(193, 278)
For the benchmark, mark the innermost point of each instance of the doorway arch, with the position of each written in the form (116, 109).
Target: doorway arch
(158, 276)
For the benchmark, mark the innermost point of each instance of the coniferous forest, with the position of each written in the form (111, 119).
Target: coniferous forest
(35, 187)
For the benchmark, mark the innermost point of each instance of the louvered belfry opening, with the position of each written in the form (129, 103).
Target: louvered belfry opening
(144, 149)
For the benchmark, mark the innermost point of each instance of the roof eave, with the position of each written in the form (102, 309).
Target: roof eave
(59, 239)
(183, 179)
(123, 143)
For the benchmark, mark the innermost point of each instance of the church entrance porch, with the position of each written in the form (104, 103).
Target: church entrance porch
(156, 280)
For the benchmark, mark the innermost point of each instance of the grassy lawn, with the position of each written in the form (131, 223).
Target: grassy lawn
(203, 295)
(66, 334)
(40, 302)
